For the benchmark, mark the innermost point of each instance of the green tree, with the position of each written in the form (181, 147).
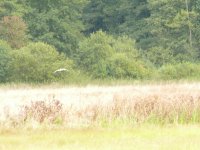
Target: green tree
(104, 56)
(37, 62)
(173, 25)
(159, 56)
(11, 8)
(135, 23)
(13, 30)
(122, 67)
(56, 22)
(195, 28)
(118, 17)
(103, 15)
(185, 70)
(94, 54)
(4, 60)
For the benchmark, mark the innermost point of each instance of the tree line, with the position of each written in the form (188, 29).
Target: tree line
(99, 39)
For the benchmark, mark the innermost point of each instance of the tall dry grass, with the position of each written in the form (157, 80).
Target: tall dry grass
(160, 104)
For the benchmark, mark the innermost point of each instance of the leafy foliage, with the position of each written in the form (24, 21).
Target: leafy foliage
(13, 30)
(94, 54)
(37, 63)
(106, 39)
(159, 56)
(152, 23)
(121, 66)
(12, 8)
(105, 56)
(4, 60)
(56, 23)
(178, 71)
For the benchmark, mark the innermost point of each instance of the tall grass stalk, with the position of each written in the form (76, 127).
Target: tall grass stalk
(105, 106)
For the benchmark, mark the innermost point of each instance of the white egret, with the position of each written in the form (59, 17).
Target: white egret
(60, 70)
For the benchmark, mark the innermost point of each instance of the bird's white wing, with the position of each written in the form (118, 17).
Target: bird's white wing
(60, 70)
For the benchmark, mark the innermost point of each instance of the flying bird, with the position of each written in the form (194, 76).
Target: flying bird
(60, 70)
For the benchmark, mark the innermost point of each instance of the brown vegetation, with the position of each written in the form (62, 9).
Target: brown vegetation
(162, 104)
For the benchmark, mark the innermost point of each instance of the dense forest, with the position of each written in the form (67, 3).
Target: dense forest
(99, 39)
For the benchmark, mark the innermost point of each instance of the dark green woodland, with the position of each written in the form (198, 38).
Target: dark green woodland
(72, 40)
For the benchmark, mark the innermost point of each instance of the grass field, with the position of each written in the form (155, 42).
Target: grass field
(133, 117)
(136, 138)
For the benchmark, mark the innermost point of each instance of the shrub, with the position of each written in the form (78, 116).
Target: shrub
(94, 54)
(37, 63)
(123, 44)
(104, 56)
(123, 67)
(184, 70)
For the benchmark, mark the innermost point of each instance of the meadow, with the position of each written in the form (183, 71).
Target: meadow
(136, 138)
(139, 116)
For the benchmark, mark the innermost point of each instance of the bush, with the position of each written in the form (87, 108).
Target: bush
(159, 56)
(186, 70)
(123, 67)
(104, 56)
(4, 60)
(37, 63)
(94, 54)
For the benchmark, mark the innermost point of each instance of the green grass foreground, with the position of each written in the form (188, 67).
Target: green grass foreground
(136, 138)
